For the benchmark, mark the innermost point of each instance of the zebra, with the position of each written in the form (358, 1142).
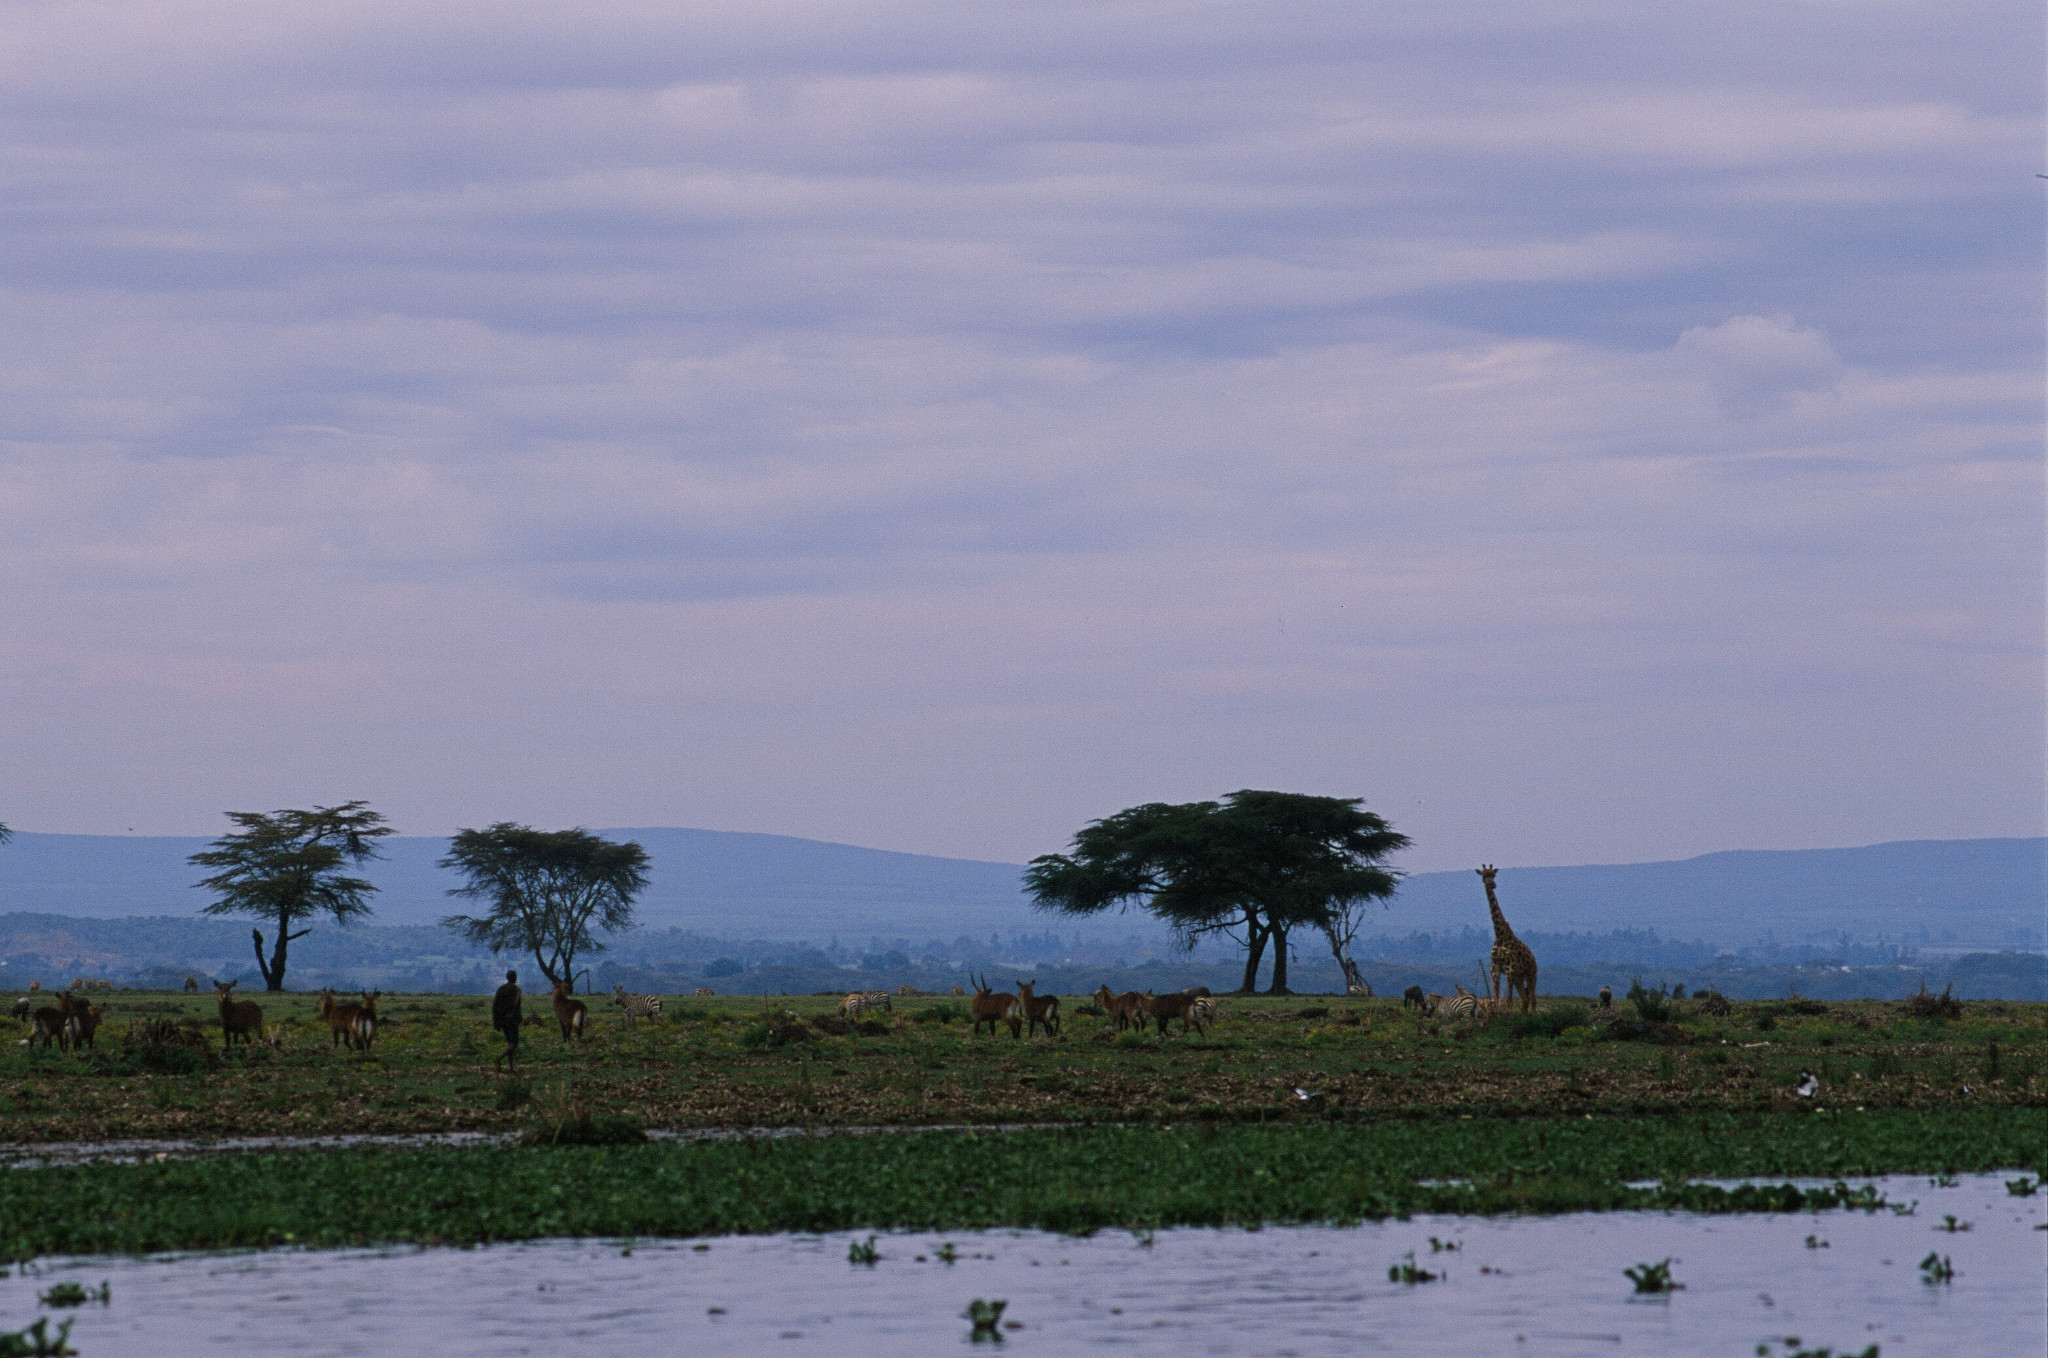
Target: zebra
(637, 1006)
(1462, 1005)
(879, 999)
(853, 1006)
(704, 990)
(1202, 1011)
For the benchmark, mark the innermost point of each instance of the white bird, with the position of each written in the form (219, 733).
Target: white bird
(1306, 1094)
(1808, 1086)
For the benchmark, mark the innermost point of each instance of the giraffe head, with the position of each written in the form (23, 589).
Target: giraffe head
(1486, 875)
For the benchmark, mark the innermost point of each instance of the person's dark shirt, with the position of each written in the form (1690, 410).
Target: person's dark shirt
(506, 1010)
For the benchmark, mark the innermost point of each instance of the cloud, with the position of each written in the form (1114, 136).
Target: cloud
(1760, 364)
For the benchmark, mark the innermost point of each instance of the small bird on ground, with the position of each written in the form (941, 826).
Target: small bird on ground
(1808, 1085)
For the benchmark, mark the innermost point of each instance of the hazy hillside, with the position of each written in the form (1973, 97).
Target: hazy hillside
(1984, 893)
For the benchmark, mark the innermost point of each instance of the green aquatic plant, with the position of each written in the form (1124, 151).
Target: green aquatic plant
(1936, 1268)
(1409, 1272)
(987, 1319)
(36, 1341)
(2022, 1187)
(1951, 1225)
(1653, 1279)
(863, 1252)
(945, 1253)
(1794, 1349)
(1437, 1246)
(72, 1294)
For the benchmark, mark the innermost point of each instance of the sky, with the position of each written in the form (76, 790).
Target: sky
(1590, 432)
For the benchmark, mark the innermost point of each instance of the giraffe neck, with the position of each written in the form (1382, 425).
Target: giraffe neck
(1501, 932)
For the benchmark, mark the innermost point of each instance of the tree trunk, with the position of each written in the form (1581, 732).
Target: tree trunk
(273, 971)
(1279, 963)
(1255, 950)
(1344, 962)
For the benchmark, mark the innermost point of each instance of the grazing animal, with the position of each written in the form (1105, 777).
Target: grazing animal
(1194, 990)
(1039, 1009)
(637, 1006)
(508, 1016)
(364, 1029)
(1431, 1003)
(1165, 1007)
(572, 1014)
(339, 1018)
(1203, 1012)
(191, 985)
(21, 1008)
(1128, 1009)
(52, 1025)
(704, 990)
(238, 1018)
(1462, 1005)
(908, 989)
(78, 983)
(853, 1006)
(879, 999)
(83, 1024)
(1607, 997)
(990, 1008)
(959, 990)
(1412, 997)
(1511, 957)
(34, 986)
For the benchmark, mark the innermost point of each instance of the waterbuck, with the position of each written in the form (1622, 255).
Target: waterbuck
(339, 1018)
(1128, 1009)
(1039, 1009)
(572, 1014)
(991, 1008)
(238, 1018)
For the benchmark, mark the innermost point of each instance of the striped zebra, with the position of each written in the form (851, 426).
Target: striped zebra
(637, 1006)
(1202, 1011)
(879, 999)
(853, 1006)
(704, 990)
(1463, 1005)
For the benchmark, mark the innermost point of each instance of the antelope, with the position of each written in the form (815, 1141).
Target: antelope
(572, 1014)
(364, 1027)
(83, 1024)
(52, 1025)
(340, 1018)
(1182, 1007)
(991, 1008)
(238, 1018)
(1039, 1009)
(1126, 1008)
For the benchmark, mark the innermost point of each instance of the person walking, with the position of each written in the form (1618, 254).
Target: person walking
(507, 1014)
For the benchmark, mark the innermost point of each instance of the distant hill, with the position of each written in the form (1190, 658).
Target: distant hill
(1977, 893)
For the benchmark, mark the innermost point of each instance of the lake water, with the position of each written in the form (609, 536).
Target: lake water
(1550, 1285)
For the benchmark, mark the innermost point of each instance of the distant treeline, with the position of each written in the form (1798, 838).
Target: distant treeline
(159, 952)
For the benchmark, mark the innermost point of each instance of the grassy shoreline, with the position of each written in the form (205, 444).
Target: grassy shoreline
(1068, 1180)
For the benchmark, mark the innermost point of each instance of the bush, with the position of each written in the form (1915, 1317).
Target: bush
(1926, 1006)
(1651, 1004)
(1549, 1023)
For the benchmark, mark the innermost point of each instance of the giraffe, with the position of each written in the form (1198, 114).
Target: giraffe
(1511, 956)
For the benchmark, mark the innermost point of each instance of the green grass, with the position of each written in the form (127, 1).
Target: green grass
(1069, 1180)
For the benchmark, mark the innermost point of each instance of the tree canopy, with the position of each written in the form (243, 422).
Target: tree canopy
(1263, 863)
(287, 866)
(547, 890)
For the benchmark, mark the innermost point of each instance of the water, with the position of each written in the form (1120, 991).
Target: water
(1534, 1286)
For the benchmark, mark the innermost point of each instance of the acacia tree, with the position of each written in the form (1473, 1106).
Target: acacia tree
(546, 889)
(1256, 864)
(287, 866)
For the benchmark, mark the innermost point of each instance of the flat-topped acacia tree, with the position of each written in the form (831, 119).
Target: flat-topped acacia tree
(1261, 862)
(546, 889)
(287, 866)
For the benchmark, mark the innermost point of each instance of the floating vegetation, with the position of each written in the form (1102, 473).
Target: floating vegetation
(1936, 1268)
(1951, 1225)
(987, 1319)
(863, 1252)
(1652, 1279)
(945, 1253)
(2022, 1187)
(1794, 1348)
(1437, 1246)
(36, 1341)
(72, 1294)
(1409, 1272)
(1814, 1242)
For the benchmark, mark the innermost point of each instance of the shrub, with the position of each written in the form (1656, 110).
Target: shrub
(1549, 1023)
(1651, 1004)
(1926, 1006)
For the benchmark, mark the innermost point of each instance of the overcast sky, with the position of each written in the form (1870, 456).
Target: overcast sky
(1593, 437)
